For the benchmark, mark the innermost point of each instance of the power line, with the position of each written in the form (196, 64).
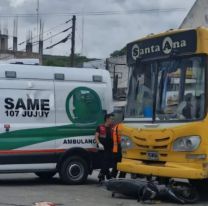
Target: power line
(65, 30)
(96, 13)
(52, 28)
(62, 41)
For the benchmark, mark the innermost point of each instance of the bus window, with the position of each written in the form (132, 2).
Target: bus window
(140, 94)
(180, 93)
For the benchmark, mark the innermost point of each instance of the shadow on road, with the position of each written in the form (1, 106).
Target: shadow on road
(33, 180)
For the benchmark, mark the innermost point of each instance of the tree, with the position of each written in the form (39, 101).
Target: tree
(64, 61)
(118, 52)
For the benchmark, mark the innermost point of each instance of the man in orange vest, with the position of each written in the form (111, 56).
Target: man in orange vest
(104, 140)
(117, 153)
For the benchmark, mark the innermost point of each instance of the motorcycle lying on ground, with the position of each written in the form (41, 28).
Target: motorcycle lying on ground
(150, 191)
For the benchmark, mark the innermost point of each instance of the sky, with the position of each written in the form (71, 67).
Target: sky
(97, 36)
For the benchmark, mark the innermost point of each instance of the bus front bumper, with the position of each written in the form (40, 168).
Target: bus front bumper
(169, 169)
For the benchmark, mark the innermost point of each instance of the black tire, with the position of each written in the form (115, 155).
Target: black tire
(45, 175)
(184, 193)
(74, 170)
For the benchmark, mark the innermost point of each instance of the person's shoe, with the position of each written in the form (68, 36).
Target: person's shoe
(101, 178)
(100, 181)
(100, 175)
(113, 175)
(108, 177)
(122, 175)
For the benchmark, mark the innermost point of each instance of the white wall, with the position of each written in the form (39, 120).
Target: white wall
(197, 16)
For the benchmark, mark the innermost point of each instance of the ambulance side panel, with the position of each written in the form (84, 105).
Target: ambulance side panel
(43, 120)
(81, 106)
(26, 105)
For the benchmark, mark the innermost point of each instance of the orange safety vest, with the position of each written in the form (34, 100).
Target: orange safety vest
(116, 139)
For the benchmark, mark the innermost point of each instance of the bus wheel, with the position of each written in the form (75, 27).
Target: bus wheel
(74, 170)
(45, 175)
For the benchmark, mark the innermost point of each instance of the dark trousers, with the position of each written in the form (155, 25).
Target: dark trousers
(117, 158)
(106, 165)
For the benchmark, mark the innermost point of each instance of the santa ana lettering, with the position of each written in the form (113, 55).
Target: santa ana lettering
(165, 46)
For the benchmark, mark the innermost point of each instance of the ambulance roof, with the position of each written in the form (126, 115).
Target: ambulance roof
(52, 73)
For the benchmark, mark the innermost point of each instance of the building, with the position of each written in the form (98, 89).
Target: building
(97, 64)
(197, 16)
(118, 71)
(7, 54)
(119, 74)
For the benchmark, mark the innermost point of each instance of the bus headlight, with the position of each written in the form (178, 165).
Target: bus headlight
(186, 144)
(126, 142)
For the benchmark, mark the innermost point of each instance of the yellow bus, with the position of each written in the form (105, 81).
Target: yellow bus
(165, 130)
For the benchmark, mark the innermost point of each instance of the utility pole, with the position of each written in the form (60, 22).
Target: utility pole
(82, 50)
(37, 11)
(73, 40)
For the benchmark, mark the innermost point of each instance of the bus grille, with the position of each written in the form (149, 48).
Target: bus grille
(149, 142)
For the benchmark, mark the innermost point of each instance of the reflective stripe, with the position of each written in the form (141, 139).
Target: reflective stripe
(17, 167)
(116, 139)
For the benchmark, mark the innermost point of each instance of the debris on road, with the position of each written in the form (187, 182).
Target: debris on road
(45, 204)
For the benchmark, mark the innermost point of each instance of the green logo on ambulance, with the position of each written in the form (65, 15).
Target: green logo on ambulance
(83, 105)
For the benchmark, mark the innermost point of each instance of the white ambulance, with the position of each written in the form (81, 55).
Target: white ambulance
(48, 117)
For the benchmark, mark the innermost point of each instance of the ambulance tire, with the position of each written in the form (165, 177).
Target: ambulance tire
(45, 175)
(74, 170)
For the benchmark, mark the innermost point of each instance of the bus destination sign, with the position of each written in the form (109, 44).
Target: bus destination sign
(178, 43)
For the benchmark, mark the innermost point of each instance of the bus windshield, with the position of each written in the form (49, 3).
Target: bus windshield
(167, 90)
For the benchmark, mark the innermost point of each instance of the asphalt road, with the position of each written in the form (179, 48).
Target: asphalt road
(26, 189)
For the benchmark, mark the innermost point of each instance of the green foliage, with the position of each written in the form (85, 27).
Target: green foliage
(64, 61)
(118, 52)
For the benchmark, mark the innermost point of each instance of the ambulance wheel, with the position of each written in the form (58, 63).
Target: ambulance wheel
(73, 170)
(45, 175)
